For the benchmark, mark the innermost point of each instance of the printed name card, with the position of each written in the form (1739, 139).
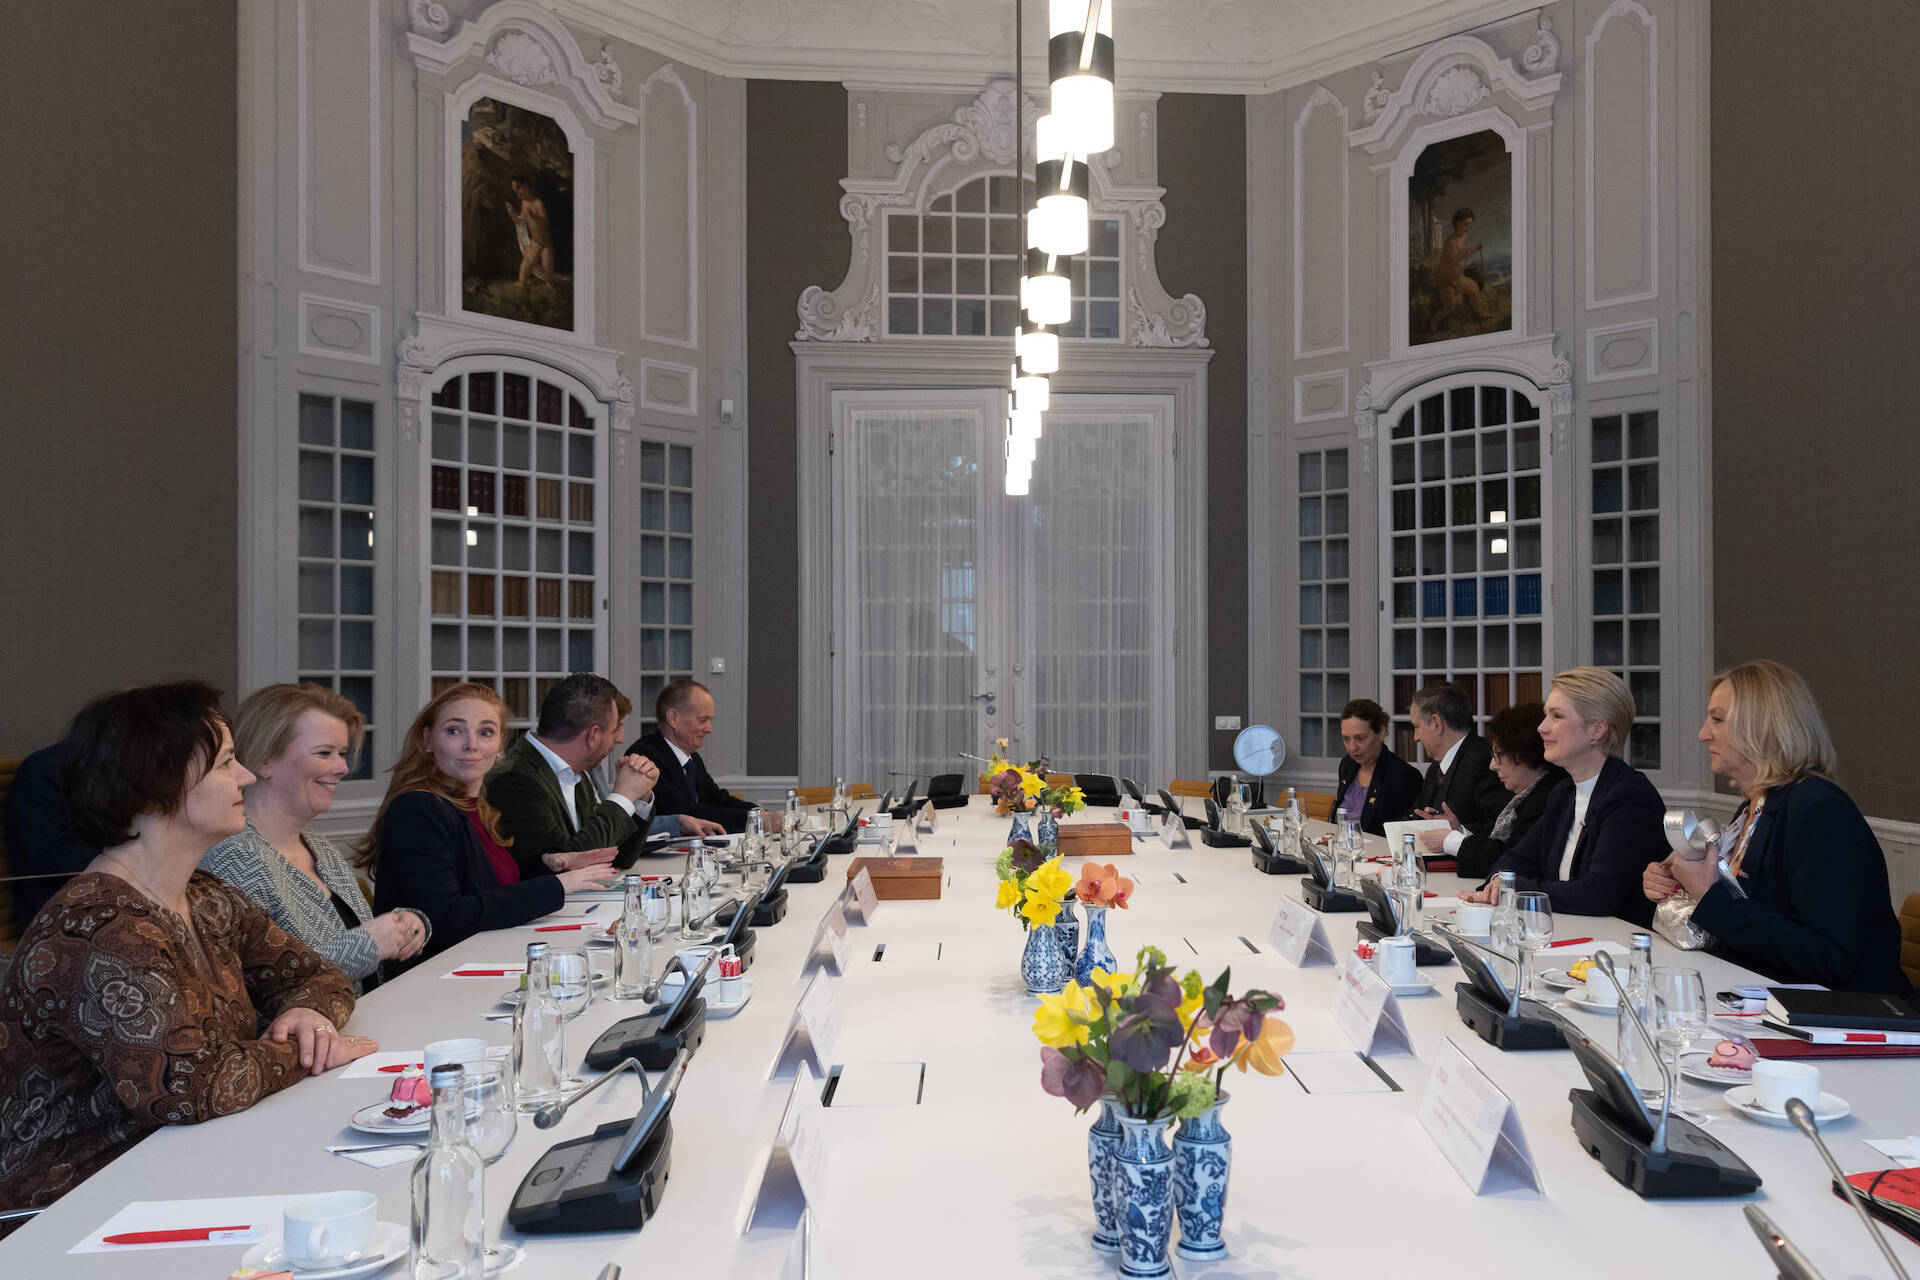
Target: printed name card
(1367, 1011)
(1299, 935)
(794, 1172)
(799, 1260)
(929, 817)
(1174, 831)
(861, 897)
(832, 934)
(1476, 1126)
(817, 1016)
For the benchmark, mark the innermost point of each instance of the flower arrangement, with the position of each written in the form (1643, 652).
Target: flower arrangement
(1161, 1044)
(1032, 885)
(1024, 789)
(1102, 885)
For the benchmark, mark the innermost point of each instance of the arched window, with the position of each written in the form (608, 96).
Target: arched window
(517, 532)
(1466, 548)
(954, 270)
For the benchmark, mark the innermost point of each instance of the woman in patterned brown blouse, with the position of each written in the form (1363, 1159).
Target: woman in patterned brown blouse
(138, 994)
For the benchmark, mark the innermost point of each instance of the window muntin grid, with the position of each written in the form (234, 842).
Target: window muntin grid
(666, 573)
(1626, 567)
(1466, 551)
(955, 269)
(515, 537)
(1325, 680)
(334, 559)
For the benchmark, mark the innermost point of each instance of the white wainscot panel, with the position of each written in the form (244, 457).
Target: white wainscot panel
(339, 330)
(671, 388)
(670, 252)
(1622, 157)
(1320, 222)
(1630, 350)
(338, 165)
(1318, 397)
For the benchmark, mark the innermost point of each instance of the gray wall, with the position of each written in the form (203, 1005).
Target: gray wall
(117, 354)
(1203, 250)
(796, 155)
(1816, 547)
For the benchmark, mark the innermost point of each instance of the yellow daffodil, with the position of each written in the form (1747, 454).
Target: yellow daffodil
(1114, 984)
(1062, 1019)
(1040, 909)
(1009, 894)
(1264, 1051)
(1190, 1006)
(1050, 880)
(1031, 783)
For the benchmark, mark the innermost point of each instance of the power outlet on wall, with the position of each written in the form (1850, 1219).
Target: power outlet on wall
(1226, 722)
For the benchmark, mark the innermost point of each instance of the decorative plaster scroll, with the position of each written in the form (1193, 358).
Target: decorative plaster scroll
(1377, 97)
(976, 140)
(429, 17)
(1449, 77)
(1543, 55)
(526, 44)
(1532, 359)
(1457, 89)
(420, 354)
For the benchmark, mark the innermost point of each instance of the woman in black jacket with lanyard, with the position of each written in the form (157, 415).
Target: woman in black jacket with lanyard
(436, 846)
(1376, 786)
(1599, 833)
(1813, 903)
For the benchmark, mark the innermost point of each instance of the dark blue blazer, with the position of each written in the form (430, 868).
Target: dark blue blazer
(431, 859)
(39, 841)
(677, 792)
(1818, 906)
(1390, 794)
(1623, 832)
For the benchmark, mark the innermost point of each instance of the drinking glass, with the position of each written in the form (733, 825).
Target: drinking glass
(1680, 1021)
(1533, 920)
(492, 1122)
(571, 982)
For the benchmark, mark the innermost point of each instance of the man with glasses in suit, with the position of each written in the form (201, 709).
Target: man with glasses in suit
(1460, 783)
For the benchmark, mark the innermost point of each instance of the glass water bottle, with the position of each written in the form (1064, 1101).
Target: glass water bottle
(539, 1036)
(449, 1226)
(1634, 1054)
(636, 949)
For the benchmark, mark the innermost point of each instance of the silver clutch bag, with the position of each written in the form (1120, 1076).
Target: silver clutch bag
(1692, 839)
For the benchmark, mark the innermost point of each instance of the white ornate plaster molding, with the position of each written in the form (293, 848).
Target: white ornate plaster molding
(1450, 77)
(429, 16)
(978, 138)
(1390, 383)
(1543, 55)
(525, 43)
(436, 340)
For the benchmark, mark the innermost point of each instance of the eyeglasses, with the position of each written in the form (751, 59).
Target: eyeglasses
(1501, 757)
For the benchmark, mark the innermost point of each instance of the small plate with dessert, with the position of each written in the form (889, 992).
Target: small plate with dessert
(407, 1109)
(1728, 1062)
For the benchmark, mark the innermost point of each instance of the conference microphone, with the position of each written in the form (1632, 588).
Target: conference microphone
(968, 755)
(1788, 1261)
(1802, 1116)
(550, 1115)
(1668, 1084)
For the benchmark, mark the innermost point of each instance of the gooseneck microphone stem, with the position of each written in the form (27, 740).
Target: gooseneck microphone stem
(1792, 1264)
(1802, 1116)
(550, 1115)
(1668, 1082)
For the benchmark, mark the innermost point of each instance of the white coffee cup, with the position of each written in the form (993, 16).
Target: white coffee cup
(328, 1230)
(469, 1052)
(1475, 919)
(1394, 959)
(1775, 1083)
(1600, 989)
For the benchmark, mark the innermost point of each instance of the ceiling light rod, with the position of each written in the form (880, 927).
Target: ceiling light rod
(1088, 32)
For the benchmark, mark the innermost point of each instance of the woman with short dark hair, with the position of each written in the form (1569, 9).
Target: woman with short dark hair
(1376, 786)
(1519, 758)
(136, 996)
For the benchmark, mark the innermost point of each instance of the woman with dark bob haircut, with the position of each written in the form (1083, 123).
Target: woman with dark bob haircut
(1376, 786)
(1519, 758)
(137, 994)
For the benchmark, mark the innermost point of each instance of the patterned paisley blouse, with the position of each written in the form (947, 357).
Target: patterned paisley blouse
(112, 1023)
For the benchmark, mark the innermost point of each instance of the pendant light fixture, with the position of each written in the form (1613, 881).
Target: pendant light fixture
(1058, 223)
(1038, 347)
(1045, 292)
(1080, 65)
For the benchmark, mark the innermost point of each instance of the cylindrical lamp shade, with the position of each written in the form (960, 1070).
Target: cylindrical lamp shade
(1039, 349)
(1030, 391)
(1045, 293)
(1082, 76)
(1025, 423)
(1059, 220)
(1018, 483)
(1049, 140)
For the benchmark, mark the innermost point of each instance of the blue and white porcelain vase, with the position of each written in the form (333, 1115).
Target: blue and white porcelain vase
(1066, 926)
(1020, 830)
(1095, 954)
(1144, 1192)
(1202, 1159)
(1103, 1171)
(1046, 829)
(1043, 965)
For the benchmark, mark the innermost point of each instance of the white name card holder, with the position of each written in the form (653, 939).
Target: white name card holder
(1476, 1126)
(798, 1264)
(830, 943)
(1174, 831)
(813, 1031)
(793, 1174)
(929, 818)
(1366, 1010)
(859, 895)
(1300, 935)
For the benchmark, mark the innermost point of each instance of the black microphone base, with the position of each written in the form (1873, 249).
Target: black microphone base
(1224, 839)
(1693, 1164)
(574, 1187)
(642, 1037)
(812, 871)
(769, 911)
(1501, 1029)
(948, 802)
(1425, 953)
(1277, 864)
(1330, 901)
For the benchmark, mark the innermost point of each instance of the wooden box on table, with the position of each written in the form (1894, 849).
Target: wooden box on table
(1094, 841)
(901, 879)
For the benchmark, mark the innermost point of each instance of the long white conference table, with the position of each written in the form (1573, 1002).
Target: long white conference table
(984, 1174)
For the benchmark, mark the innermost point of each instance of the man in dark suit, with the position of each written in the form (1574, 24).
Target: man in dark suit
(1460, 783)
(550, 807)
(684, 714)
(40, 842)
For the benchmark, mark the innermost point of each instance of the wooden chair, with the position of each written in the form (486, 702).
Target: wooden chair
(1188, 788)
(9, 765)
(1910, 937)
(1059, 779)
(1318, 804)
(820, 795)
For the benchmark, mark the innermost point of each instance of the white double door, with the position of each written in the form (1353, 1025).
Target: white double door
(963, 615)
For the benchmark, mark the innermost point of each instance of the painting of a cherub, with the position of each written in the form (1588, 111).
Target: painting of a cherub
(1460, 239)
(516, 192)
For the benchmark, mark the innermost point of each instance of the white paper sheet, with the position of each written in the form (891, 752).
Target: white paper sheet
(264, 1212)
(369, 1066)
(382, 1159)
(1904, 1152)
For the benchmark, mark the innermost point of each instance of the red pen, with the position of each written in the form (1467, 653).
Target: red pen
(557, 928)
(486, 973)
(1568, 942)
(398, 1067)
(183, 1233)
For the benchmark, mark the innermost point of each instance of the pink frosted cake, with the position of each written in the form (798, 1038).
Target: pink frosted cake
(1733, 1055)
(411, 1094)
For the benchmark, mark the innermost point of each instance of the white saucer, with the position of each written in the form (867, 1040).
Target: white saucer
(1560, 980)
(374, 1118)
(1420, 986)
(1694, 1066)
(710, 992)
(1579, 999)
(390, 1244)
(1740, 1098)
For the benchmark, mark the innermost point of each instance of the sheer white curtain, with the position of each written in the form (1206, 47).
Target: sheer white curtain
(916, 552)
(1094, 597)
